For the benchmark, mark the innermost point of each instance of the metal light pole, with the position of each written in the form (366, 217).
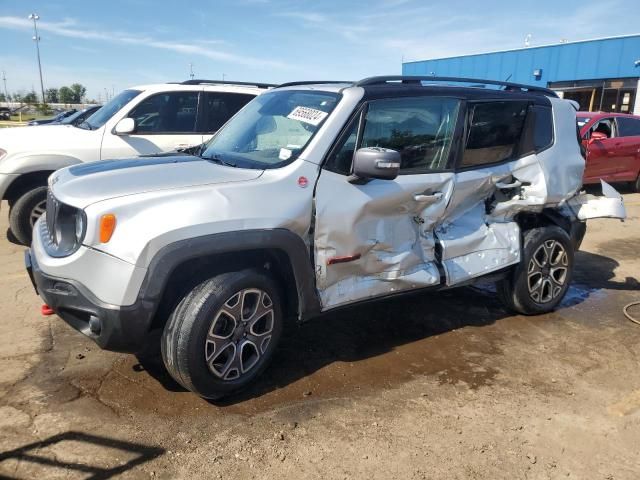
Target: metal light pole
(6, 95)
(36, 38)
(191, 74)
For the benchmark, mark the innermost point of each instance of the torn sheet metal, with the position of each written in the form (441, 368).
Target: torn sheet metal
(384, 230)
(471, 247)
(586, 206)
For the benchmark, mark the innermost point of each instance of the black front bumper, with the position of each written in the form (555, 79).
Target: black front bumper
(121, 329)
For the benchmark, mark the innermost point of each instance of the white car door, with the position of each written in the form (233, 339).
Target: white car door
(164, 122)
(377, 237)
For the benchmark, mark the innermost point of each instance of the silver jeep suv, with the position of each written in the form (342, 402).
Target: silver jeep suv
(317, 196)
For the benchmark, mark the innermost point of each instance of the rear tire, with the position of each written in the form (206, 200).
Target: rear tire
(223, 333)
(541, 279)
(24, 213)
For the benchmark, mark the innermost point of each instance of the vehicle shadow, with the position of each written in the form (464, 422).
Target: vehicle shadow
(361, 332)
(31, 453)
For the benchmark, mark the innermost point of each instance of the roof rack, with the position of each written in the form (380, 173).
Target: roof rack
(226, 82)
(313, 82)
(417, 80)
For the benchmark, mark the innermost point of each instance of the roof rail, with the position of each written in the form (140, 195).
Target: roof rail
(313, 82)
(417, 80)
(227, 82)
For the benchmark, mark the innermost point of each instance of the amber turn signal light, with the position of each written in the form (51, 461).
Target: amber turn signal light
(107, 226)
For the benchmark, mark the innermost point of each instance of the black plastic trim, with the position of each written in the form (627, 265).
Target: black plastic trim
(174, 254)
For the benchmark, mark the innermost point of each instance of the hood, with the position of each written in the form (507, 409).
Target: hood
(84, 184)
(51, 138)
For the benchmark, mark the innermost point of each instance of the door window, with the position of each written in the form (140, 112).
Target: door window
(628, 127)
(494, 132)
(166, 113)
(218, 107)
(606, 126)
(421, 129)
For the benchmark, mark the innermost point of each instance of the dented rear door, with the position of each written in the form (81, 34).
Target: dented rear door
(377, 237)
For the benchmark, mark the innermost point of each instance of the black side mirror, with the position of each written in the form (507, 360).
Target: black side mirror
(376, 162)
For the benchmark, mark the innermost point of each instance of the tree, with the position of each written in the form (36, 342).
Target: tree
(79, 92)
(51, 94)
(65, 95)
(30, 98)
(3, 98)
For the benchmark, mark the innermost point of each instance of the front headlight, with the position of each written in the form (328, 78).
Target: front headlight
(80, 226)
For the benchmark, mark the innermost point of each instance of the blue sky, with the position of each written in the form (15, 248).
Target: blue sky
(114, 44)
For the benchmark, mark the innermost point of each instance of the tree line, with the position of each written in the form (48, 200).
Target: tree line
(74, 93)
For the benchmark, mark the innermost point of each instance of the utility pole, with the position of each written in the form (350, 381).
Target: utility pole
(191, 74)
(6, 94)
(223, 77)
(36, 38)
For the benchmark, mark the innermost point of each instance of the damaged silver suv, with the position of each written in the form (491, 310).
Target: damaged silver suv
(316, 196)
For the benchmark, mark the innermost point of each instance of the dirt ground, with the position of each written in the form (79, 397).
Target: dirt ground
(433, 386)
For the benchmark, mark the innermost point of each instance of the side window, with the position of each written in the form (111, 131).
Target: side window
(538, 130)
(628, 127)
(218, 107)
(170, 112)
(605, 126)
(494, 132)
(421, 129)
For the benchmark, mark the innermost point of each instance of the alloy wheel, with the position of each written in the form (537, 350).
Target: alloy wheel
(239, 334)
(37, 211)
(547, 272)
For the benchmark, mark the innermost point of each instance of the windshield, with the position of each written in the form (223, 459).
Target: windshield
(110, 108)
(272, 129)
(582, 121)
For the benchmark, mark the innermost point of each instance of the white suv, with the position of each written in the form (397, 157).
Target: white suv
(143, 120)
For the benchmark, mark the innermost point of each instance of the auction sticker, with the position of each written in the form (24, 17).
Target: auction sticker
(307, 115)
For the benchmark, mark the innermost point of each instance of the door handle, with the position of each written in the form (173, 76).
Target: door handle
(423, 198)
(505, 186)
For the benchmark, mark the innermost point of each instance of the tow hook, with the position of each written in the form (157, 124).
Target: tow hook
(46, 310)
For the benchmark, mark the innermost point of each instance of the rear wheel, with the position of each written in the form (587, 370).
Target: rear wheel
(25, 211)
(541, 279)
(223, 333)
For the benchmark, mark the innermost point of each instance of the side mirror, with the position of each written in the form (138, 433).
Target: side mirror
(597, 136)
(125, 126)
(376, 162)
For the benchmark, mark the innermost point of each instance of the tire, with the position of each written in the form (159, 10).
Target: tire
(215, 326)
(541, 279)
(24, 213)
(636, 185)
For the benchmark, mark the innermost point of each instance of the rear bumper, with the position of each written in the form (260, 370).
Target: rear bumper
(121, 329)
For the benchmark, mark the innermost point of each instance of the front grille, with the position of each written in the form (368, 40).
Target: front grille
(53, 206)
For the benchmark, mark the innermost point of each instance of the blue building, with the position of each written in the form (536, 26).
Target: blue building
(601, 75)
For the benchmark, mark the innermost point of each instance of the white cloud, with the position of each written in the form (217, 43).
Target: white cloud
(70, 29)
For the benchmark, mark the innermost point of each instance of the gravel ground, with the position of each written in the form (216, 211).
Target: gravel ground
(444, 385)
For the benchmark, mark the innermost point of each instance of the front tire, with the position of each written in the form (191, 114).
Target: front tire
(223, 333)
(541, 279)
(24, 213)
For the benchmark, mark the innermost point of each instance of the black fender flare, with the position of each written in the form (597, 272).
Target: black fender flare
(169, 257)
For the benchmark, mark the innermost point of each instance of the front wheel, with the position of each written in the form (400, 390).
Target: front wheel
(24, 213)
(541, 279)
(223, 333)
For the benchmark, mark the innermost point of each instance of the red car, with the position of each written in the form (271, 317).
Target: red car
(612, 143)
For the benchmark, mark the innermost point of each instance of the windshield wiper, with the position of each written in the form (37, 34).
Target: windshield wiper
(217, 159)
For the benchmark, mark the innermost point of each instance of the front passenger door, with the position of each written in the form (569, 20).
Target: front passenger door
(164, 122)
(376, 237)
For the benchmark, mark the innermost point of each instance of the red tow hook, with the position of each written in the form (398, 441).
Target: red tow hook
(46, 310)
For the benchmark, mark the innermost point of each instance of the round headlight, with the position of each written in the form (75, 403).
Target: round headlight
(79, 226)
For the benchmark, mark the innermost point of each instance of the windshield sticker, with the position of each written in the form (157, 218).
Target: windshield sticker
(285, 154)
(307, 115)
